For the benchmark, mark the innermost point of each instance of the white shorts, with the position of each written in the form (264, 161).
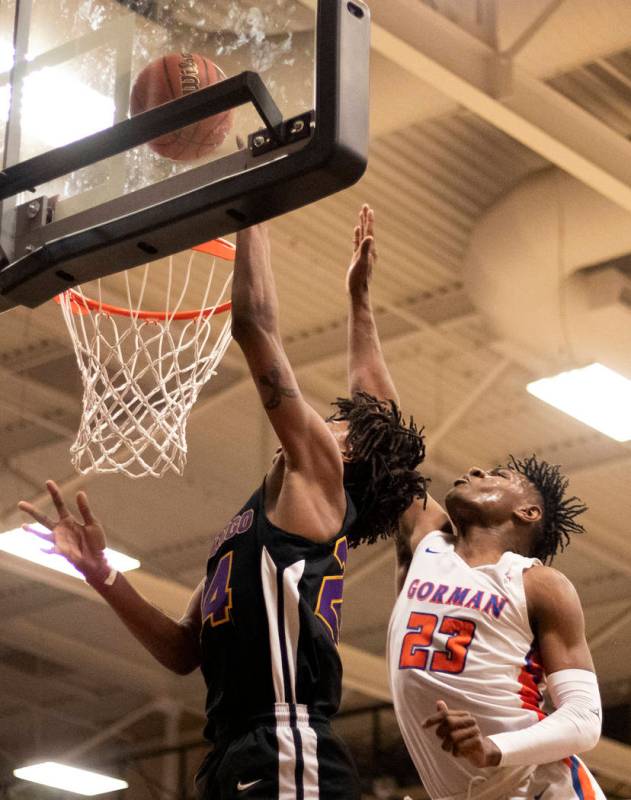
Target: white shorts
(564, 780)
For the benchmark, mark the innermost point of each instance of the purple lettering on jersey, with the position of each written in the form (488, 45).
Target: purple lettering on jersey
(246, 521)
(329, 607)
(413, 588)
(237, 525)
(495, 605)
(458, 596)
(341, 552)
(476, 600)
(424, 590)
(217, 597)
(439, 593)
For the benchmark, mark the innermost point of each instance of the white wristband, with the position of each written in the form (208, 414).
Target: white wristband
(111, 577)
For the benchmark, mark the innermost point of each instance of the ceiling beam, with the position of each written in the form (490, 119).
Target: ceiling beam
(105, 666)
(438, 51)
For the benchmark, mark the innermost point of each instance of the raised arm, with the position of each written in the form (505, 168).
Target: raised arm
(311, 500)
(174, 643)
(368, 372)
(367, 368)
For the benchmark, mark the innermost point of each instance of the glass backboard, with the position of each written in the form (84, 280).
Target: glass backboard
(70, 69)
(82, 59)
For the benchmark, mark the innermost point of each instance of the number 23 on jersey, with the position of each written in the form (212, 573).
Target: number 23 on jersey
(417, 643)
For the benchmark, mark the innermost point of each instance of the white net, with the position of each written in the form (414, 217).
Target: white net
(142, 376)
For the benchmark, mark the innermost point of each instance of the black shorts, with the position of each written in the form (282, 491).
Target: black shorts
(280, 759)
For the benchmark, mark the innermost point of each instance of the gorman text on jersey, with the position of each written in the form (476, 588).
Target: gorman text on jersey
(442, 593)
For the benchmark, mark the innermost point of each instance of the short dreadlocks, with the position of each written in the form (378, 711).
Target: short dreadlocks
(559, 512)
(380, 474)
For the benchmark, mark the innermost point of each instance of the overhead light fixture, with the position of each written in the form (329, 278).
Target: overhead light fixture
(57, 108)
(19, 542)
(70, 779)
(595, 395)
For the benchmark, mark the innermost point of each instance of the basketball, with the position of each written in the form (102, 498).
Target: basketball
(168, 78)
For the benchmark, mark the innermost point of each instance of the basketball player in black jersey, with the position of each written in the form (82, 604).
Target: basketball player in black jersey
(264, 624)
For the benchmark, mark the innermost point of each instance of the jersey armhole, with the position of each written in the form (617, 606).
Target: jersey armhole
(350, 514)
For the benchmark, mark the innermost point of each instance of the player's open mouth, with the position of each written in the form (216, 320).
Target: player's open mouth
(459, 481)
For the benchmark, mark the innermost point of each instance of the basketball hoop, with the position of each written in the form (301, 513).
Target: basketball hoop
(142, 371)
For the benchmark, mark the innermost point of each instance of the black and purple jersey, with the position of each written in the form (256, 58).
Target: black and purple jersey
(271, 613)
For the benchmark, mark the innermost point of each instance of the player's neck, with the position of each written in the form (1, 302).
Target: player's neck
(479, 544)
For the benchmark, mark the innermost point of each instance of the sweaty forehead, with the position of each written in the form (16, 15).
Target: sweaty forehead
(523, 481)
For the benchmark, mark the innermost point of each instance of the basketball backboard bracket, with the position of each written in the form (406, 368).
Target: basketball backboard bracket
(288, 164)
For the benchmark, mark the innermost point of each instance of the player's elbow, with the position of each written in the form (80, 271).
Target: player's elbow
(184, 667)
(249, 322)
(185, 656)
(590, 733)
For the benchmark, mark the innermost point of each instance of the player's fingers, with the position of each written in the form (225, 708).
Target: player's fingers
(370, 222)
(466, 746)
(84, 508)
(452, 724)
(38, 516)
(58, 500)
(463, 735)
(366, 245)
(356, 237)
(435, 719)
(459, 719)
(47, 536)
(441, 706)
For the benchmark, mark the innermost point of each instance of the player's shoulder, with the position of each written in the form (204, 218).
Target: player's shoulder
(545, 585)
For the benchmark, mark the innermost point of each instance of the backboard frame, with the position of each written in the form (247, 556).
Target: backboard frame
(326, 153)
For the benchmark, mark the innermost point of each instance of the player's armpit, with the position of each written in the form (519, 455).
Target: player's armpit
(556, 617)
(421, 518)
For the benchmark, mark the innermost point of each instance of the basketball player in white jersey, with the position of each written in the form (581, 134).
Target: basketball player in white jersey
(480, 625)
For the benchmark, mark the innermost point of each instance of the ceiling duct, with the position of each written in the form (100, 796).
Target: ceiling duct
(549, 267)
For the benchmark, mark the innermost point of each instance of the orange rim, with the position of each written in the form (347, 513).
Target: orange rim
(219, 248)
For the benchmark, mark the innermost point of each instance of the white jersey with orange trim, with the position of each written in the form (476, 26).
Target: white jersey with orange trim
(461, 634)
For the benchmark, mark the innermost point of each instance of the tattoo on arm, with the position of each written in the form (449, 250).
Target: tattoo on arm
(276, 391)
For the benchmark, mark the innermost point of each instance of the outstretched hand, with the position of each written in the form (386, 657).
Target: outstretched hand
(461, 736)
(82, 543)
(364, 252)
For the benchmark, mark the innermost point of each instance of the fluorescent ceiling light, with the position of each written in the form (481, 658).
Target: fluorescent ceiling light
(595, 395)
(19, 542)
(71, 779)
(57, 108)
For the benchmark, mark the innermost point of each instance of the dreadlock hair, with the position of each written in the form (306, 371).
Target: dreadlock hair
(559, 512)
(382, 453)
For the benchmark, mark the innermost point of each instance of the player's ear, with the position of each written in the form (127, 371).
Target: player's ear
(529, 514)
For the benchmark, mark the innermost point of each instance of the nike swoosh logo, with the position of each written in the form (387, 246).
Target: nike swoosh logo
(242, 787)
(429, 550)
